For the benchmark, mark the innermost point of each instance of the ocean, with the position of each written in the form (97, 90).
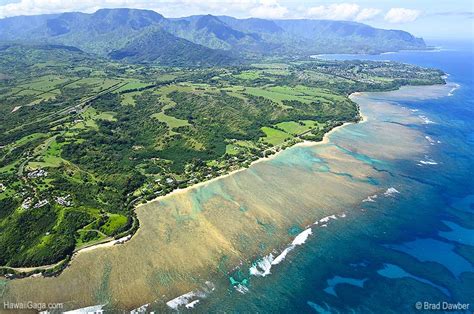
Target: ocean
(379, 219)
(412, 252)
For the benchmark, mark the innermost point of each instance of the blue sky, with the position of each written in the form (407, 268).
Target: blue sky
(431, 19)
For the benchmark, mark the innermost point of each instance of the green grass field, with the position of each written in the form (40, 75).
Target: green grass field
(128, 99)
(49, 156)
(274, 96)
(279, 94)
(90, 116)
(93, 114)
(114, 222)
(232, 149)
(248, 75)
(296, 128)
(172, 122)
(274, 136)
(97, 84)
(46, 83)
(135, 84)
(44, 97)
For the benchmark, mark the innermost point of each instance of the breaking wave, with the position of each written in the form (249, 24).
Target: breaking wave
(451, 92)
(262, 267)
(427, 161)
(370, 199)
(425, 119)
(190, 299)
(391, 191)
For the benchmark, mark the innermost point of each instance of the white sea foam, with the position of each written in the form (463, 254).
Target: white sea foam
(141, 309)
(425, 119)
(451, 92)
(303, 236)
(282, 255)
(191, 305)
(262, 267)
(86, 310)
(428, 162)
(241, 288)
(325, 219)
(191, 296)
(181, 300)
(430, 140)
(370, 198)
(391, 191)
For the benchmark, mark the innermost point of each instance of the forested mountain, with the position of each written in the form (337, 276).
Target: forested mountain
(205, 39)
(100, 32)
(166, 49)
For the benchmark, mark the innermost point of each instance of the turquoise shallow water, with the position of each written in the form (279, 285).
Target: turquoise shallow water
(414, 243)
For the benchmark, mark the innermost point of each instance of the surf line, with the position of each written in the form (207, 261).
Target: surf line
(262, 267)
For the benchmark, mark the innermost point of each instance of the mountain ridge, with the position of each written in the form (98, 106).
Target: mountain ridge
(108, 32)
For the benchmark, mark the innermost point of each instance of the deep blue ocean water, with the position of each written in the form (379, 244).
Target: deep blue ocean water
(418, 247)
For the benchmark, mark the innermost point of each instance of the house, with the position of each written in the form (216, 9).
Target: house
(37, 173)
(26, 203)
(63, 200)
(41, 203)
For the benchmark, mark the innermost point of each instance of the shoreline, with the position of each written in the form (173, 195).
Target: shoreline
(304, 143)
(38, 270)
(127, 238)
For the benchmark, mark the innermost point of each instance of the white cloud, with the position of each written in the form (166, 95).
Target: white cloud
(342, 11)
(367, 14)
(238, 8)
(31, 7)
(401, 15)
(269, 9)
(171, 8)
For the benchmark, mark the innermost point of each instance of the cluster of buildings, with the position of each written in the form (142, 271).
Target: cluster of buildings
(41, 203)
(63, 200)
(28, 202)
(37, 173)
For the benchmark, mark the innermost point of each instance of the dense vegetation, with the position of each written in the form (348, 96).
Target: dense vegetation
(82, 139)
(146, 36)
